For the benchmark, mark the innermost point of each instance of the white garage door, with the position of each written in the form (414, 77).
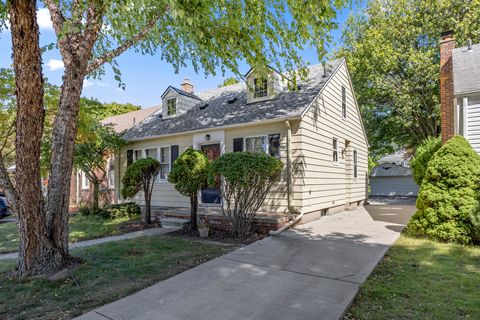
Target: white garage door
(393, 186)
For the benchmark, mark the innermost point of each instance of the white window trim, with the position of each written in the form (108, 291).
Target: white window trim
(256, 136)
(255, 91)
(156, 150)
(159, 153)
(142, 153)
(83, 177)
(111, 185)
(167, 100)
(336, 163)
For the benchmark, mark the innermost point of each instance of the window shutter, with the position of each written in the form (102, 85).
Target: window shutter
(238, 145)
(129, 157)
(173, 153)
(274, 145)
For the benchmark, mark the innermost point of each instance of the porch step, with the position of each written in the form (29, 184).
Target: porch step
(173, 222)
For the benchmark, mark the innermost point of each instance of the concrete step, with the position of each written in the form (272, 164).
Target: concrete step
(173, 222)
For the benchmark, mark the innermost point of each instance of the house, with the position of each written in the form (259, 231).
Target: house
(81, 190)
(315, 128)
(460, 90)
(393, 176)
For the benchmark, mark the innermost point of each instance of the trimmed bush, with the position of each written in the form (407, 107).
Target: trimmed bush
(448, 194)
(422, 156)
(246, 180)
(128, 210)
(189, 173)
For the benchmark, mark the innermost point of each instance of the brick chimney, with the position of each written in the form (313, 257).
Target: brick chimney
(187, 85)
(447, 44)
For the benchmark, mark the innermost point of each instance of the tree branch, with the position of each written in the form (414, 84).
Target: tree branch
(57, 17)
(97, 62)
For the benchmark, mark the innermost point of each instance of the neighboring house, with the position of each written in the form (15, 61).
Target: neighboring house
(460, 90)
(393, 176)
(315, 128)
(81, 190)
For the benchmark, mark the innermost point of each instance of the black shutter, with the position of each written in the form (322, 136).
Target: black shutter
(274, 145)
(173, 153)
(238, 145)
(129, 157)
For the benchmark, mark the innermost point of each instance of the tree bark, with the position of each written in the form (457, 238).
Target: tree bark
(96, 192)
(146, 217)
(193, 212)
(37, 255)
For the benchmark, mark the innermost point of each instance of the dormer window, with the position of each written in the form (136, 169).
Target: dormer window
(260, 87)
(171, 107)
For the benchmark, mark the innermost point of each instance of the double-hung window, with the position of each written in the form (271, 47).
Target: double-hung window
(260, 86)
(85, 181)
(137, 154)
(172, 107)
(111, 173)
(335, 149)
(164, 162)
(344, 102)
(151, 153)
(355, 164)
(256, 144)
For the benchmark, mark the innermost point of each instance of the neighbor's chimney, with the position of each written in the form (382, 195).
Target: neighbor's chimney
(187, 85)
(447, 44)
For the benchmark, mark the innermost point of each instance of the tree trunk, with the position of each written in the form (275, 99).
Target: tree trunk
(96, 193)
(63, 139)
(193, 211)
(37, 255)
(146, 217)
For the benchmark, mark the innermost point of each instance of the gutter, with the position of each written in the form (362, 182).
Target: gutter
(291, 208)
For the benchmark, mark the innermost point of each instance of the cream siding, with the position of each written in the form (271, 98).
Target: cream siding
(325, 183)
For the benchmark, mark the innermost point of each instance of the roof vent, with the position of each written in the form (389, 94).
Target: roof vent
(469, 44)
(160, 116)
(233, 100)
(203, 106)
(324, 66)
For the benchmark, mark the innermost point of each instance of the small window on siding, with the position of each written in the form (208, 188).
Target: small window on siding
(137, 155)
(256, 144)
(164, 162)
(172, 107)
(274, 145)
(173, 153)
(335, 149)
(344, 102)
(129, 157)
(260, 87)
(85, 181)
(111, 173)
(152, 153)
(238, 145)
(355, 164)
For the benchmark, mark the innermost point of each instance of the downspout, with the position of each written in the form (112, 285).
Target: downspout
(291, 208)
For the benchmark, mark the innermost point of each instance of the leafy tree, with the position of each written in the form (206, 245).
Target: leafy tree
(91, 157)
(104, 110)
(229, 81)
(422, 157)
(392, 51)
(92, 33)
(246, 180)
(140, 176)
(189, 174)
(448, 193)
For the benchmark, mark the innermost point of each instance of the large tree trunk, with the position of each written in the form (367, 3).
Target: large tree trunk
(37, 255)
(96, 195)
(63, 140)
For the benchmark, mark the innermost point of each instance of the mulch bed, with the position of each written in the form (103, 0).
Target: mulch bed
(221, 236)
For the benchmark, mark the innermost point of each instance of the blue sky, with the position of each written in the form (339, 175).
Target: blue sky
(146, 77)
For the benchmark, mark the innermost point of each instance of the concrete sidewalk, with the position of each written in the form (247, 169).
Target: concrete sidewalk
(88, 243)
(312, 272)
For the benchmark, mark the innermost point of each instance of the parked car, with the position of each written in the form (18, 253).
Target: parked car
(3, 206)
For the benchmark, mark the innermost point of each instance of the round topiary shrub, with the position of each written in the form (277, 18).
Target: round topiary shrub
(448, 193)
(422, 156)
(246, 180)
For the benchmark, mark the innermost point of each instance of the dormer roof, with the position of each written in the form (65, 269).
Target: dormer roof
(182, 92)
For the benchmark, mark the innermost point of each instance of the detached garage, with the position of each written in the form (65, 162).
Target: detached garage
(388, 179)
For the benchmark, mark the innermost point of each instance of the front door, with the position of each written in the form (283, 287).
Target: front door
(211, 194)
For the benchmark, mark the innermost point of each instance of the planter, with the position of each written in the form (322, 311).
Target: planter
(203, 232)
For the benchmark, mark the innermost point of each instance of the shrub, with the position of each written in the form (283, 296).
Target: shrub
(422, 156)
(189, 173)
(246, 180)
(140, 176)
(475, 218)
(448, 193)
(128, 210)
(89, 211)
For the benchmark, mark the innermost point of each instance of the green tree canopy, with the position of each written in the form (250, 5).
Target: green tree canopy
(423, 154)
(189, 173)
(392, 50)
(229, 81)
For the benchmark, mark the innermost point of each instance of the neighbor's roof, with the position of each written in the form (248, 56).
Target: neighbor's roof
(216, 111)
(466, 69)
(401, 157)
(127, 120)
(390, 170)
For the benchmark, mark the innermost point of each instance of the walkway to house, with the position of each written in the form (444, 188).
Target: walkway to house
(312, 272)
(88, 243)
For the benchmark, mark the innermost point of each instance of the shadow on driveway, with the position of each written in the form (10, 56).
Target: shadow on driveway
(391, 209)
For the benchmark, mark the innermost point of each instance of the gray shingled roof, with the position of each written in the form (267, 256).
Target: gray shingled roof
(466, 69)
(185, 93)
(218, 112)
(390, 170)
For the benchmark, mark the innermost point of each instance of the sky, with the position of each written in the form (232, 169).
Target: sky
(146, 77)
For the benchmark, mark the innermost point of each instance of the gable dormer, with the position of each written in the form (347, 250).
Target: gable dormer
(177, 101)
(264, 84)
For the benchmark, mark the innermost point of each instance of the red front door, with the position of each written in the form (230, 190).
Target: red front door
(211, 194)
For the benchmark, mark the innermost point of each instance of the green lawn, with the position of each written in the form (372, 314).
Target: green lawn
(81, 228)
(109, 271)
(422, 279)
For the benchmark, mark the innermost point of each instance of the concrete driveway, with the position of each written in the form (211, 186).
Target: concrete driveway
(391, 209)
(312, 272)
